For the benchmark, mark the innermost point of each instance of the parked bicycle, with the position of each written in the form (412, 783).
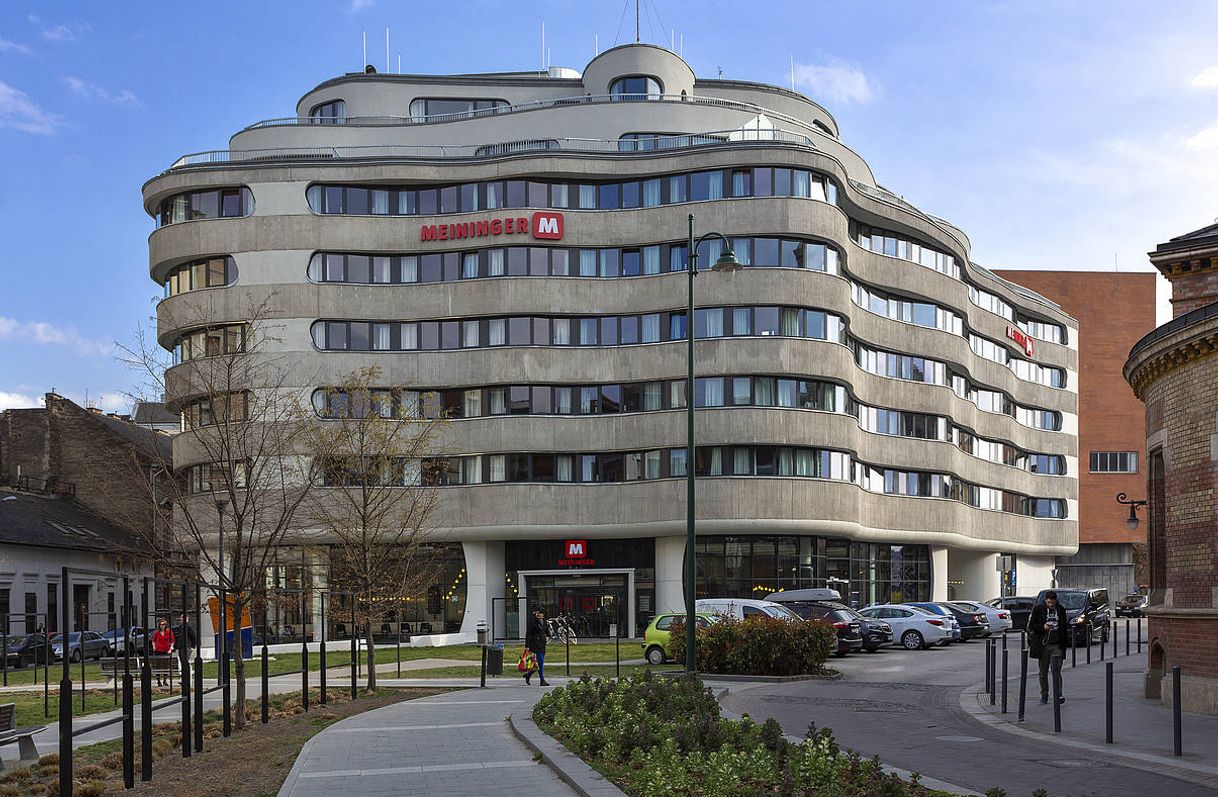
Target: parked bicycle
(562, 629)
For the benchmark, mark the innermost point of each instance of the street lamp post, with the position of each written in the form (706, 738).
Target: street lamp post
(222, 653)
(1131, 522)
(725, 263)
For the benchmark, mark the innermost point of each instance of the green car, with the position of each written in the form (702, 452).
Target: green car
(655, 638)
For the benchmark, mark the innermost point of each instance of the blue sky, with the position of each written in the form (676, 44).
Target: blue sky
(1065, 135)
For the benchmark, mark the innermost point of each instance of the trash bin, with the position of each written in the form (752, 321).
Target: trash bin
(494, 659)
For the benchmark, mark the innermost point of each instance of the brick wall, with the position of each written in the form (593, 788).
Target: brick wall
(25, 445)
(1188, 643)
(1190, 290)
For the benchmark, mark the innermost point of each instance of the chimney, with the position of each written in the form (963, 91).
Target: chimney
(1190, 264)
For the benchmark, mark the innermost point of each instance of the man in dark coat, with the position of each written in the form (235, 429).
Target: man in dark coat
(535, 641)
(1048, 637)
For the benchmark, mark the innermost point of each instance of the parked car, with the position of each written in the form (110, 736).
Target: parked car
(999, 619)
(1131, 605)
(86, 644)
(1020, 608)
(26, 649)
(741, 608)
(876, 633)
(972, 624)
(1087, 613)
(655, 638)
(913, 628)
(941, 610)
(836, 614)
(134, 639)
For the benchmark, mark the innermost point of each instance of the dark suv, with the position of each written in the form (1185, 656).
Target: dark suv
(838, 615)
(1020, 608)
(1087, 613)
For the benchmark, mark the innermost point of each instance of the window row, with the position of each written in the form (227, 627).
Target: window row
(900, 308)
(210, 342)
(540, 261)
(220, 409)
(628, 330)
(888, 243)
(333, 112)
(217, 477)
(424, 107)
(359, 200)
(218, 203)
(670, 463)
(1114, 462)
(650, 142)
(1042, 330)
(212, 272)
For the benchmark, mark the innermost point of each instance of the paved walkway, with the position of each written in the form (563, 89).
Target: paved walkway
(457, 744)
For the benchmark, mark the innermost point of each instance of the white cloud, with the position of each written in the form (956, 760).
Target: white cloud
(360, 5)
(834, 81)
(6, 46)
(44, 334)
(59, 33)
(19, 112)
(13, 401)
(1205, 79)
(86, 89)
(1203, 140)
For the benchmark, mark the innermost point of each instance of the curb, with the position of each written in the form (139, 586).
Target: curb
(569, 767)
(923, 780)
(758, 679)
(1148, 762)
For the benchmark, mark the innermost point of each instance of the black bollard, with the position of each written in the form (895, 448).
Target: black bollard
(1023, 681)
(1126, 636)
(993, 673)
(1114, 636)
(146, 692)
(1175, 710)
(1004, 675)
(322, 672)
(1088, 643)
(1139, 636)
(617, 655)
(567, 636)
(1073, 650)
(483, 679)
(988, 653)
(1108, 702)
(1055, 687)
(1103, 641)
(304, 672)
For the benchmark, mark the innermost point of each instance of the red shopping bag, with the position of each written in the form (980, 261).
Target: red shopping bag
(528, 661)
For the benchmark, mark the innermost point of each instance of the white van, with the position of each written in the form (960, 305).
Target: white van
(741, 608)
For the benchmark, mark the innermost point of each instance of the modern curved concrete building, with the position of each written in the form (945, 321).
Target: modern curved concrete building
(874, 411)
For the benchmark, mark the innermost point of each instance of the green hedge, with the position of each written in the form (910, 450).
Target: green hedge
(657, 736)
(757, 646)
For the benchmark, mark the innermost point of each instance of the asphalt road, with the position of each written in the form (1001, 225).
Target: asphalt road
(904, 706)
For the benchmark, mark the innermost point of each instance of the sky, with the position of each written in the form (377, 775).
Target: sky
(1057, 135)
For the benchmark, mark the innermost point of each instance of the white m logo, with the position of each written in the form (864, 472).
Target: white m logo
(547, 225)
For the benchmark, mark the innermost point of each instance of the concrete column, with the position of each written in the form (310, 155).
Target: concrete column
(484, 582)
(1033, 573)
(975, 572)
(670, 574)
(938, 573)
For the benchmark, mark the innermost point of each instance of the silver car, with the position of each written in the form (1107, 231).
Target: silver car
(87, 644)
(913, 628)
(1000, 619)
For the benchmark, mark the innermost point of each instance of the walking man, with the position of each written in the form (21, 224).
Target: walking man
(187, 641)
(1048, 636)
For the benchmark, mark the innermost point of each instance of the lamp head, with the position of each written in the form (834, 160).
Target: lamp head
(727, 262)
(1131, 522)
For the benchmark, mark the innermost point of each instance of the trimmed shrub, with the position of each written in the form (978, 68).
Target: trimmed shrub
(659, 736)
(757, 646)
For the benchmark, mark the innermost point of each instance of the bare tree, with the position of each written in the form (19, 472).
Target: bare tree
(243, 430)
(381, 456)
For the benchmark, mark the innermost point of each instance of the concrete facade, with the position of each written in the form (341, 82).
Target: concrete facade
(562, 129)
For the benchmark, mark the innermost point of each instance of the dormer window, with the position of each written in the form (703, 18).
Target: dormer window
(329, 113)
(636, 88)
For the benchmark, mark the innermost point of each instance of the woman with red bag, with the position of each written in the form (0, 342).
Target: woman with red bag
(535, 643)
(162, 644)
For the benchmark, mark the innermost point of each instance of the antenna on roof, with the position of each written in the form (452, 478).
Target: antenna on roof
(365, 61)
(672, 39)
(543, 46)
(792, 72)
(387, 68)
(399, 63)
(681, 52)
(636, 21)
(596, 37)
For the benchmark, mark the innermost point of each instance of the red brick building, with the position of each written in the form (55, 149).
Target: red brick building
(1113, 311)
(1174, 371)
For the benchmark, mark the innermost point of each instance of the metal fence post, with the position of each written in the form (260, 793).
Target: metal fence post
(1108, 702)
(184, 662)
(1103, 641)
(989, 652)
(1126, 636)
(1004, 675)
(145, 691)
(1055, 668)
(1175, 711)
(1073, 649)
(65, 694)
(198, 669)
(1023, 681)
(567, 636)
(128, 694)
(1139, 636)
(322, 649)
(993, 673)
(399, 643)
(266, 681)
(354, 654)
(304, 657)
(1088, 643)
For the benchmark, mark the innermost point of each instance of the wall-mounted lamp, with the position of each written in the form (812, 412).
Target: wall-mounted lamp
(1131, 522)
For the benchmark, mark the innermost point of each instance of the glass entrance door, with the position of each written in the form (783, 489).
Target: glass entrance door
(589, 604)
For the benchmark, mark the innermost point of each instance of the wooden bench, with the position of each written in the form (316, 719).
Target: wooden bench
(24, 737)
(160, 664)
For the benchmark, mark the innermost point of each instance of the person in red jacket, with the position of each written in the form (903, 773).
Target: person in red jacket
(162, 645)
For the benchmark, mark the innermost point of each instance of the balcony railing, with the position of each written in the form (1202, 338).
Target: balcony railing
(426, 151)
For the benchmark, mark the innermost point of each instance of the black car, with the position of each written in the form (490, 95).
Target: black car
(1020, 608)
(26, 649)
(876, 633)
(838, 615)
(1131, 605)
(973, 625)
(1087, 613)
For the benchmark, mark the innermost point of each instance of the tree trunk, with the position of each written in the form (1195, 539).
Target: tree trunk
(371, 658)
(239, 668)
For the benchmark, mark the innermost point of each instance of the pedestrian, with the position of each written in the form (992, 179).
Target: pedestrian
(162, 645)
(535, 643)
(186, 637)
(1048, 636)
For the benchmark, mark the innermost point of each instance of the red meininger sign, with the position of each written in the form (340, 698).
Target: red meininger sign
(1021, 338)
(545, 225)
(576, 554)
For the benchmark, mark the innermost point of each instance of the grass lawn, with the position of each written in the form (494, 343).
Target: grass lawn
(552, 668)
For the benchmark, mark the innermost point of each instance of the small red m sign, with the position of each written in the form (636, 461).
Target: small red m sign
(577, 549)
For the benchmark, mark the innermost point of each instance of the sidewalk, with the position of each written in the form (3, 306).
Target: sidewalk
(456, 743)
(1142, 729)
